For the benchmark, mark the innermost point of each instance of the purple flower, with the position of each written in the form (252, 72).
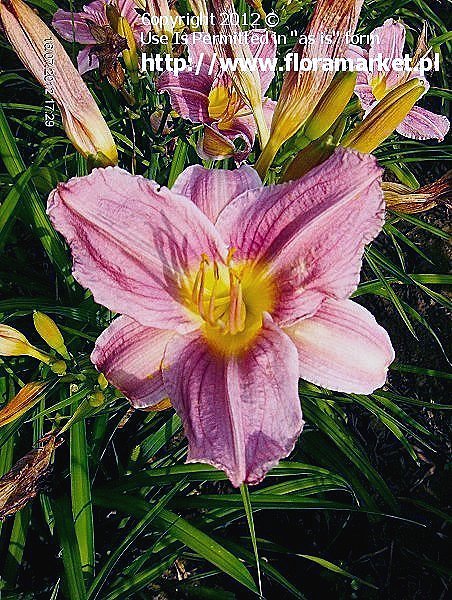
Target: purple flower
(204, 95)
(371, 87)
(230, 291)
(76, 27)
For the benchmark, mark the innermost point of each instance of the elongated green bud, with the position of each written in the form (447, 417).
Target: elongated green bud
(385, 117)
(331, 105)
(48, 330)
(14, 343)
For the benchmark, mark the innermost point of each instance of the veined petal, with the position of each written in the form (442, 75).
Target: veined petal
(388, 40)
(265, 49)
(200, 54)
(241, 415)
(73, 26)
(189, 94)
(343, 348)
(363, 89)
(422, 124)
(213, 145)
(131, 358)
(212, 189)
(132, 242)
(310, 232)
(128, 9)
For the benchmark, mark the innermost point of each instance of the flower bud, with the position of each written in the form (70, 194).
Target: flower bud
(129, 55)
(48, 330)
(96, 399)
(302, 89)
(385, 117)
(25, 399)
(308, 158)
(58, 367)
(82, 119)
(14, 343)
(331, 105)
(102, 381)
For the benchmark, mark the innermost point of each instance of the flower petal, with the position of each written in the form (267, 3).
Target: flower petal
(189, 94)
(132, 242)
(73, 26)
(310, 232)
(388, 40)
(128, 9)
(343, 348)
(212, 189)
(422, 124)
(242, 414)
(130, 356)
(213, 145)
(263, 45)
(87, 60)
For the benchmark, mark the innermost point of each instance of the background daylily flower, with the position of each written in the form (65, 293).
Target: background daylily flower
(76, 27)
(371, 87)
(211, 98)
(246, 81)
(230, 291)
(82, 119)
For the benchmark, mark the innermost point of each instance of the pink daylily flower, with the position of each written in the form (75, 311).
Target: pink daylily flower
(209, 97)
(76, 27)
(229, 292)
(371, 87)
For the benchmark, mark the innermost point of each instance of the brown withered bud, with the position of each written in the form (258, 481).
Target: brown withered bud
(109, 46)
(156, 123)
(403, 199)
(27, 477)
(25, 399)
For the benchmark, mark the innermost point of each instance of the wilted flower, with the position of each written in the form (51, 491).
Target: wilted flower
(372, 87)
(403, 199)
(82, 119)
(301, 90)
(230, 291)
(27, 477)
(78, 27)
(210, 97)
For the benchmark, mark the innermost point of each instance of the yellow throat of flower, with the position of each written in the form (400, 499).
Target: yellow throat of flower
(224, 105)
(229, 300)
